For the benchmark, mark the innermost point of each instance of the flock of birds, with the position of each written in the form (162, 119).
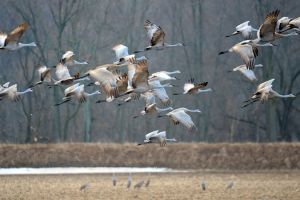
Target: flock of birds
(128, 78)
(140, 184)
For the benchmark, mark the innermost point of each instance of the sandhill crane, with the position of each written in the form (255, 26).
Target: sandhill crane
(244, 29)
(265, 92)
(159, 91)
(12, 93)
(194, 88)
(156, 37)
(230, 185)
(114, 179)
(44, 75)
(203, 185)
(248, 73)
(179, 115)
(63, 75)
(129, 180)
(286, 23)
(139, 185)
(68, 59)
(84, 187)
(157, 137)
(266, 32)
(148, 181)
(150, 105)
(76, 91)
(247, 52)
(11, 41)
(164, 75)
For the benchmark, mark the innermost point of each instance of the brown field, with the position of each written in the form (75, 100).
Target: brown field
(260, 185)
(224, 156)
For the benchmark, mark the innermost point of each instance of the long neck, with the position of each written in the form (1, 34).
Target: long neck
(24, 92)
(80, 63)
(253, 29)
(285, 35)
(92, 94)
(276, 94)
(174, 72)
(173, 45)
(166, 85)
(205, 90)
(32, 44)
(196, 110)
(163, 109)
(171, 140)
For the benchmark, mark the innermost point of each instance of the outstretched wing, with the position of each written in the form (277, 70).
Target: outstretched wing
(17, 33)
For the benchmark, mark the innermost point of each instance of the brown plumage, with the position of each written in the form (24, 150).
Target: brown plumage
(155, 33)
(267, 29)
(140, 77)
(16, 34)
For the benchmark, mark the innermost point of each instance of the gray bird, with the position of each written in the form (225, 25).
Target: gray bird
(147, 183)
(203, 184)
(129, 181)
(230, 185)
(114, 180)
(139, 185)
(84, 186)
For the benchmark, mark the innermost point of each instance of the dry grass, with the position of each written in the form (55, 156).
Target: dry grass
(245, 156)
(254, 186)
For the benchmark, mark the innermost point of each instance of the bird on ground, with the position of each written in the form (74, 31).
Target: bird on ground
(194, 88)
(76, 91)
(156, 37)
(11, 41)
(12, 93)
(157, 137)
(44, 75)
(129, 180)
(179, 115)
(285, 24)
(139, 185)
(265, 92)
(114, 180)
(148, 180)
(230, 185)
(68, 59)
(244, 29)
(248, 73)
(267, 33)
(203, 185)
(84, 187)
(164, 75)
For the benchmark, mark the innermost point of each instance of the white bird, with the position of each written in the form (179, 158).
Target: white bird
(11, 41)
(179, 115)
(248, 73)
(63, 75)
(244, 29)
(266, 32)
(114, 179)
(157, 137)
(286, 23)
(76, 91)
(247, 51)
(122, 54)
(194, 88)
(12, 93)
(156, 37)
(44, 75)
(265, 92)
(164, 75)
(68, 59)
(159, 91)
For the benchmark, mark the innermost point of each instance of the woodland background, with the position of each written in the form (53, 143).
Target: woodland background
(91, 28)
